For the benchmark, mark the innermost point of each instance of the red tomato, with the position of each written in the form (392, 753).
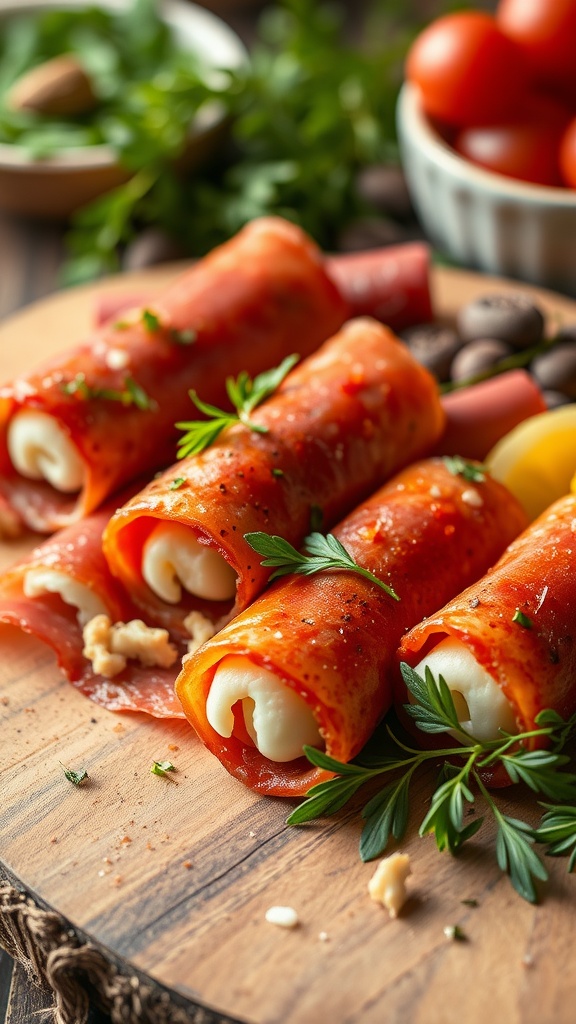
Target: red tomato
(568, 155)
(546, 32)
(527, 148)
(467, 70)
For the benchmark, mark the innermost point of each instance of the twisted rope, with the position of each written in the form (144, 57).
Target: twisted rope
(54, 957)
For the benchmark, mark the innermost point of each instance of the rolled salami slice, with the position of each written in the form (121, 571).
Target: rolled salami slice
(391, 284)
(92, 419)
(313, 659)
(506, 646)
(62, 585)
(340, 424)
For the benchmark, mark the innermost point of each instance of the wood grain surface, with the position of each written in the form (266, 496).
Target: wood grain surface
(175, 877)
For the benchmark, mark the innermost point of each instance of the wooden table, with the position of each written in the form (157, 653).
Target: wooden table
(30, 258)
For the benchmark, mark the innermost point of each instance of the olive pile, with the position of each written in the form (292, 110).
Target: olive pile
(495, 333)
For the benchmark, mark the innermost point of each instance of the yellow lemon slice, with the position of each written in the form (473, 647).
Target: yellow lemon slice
(537, 459)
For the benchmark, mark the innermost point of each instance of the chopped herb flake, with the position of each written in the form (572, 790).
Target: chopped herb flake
(522, 619)
(186, 337)
(163, 768)
(471, 471)
(77, 778)
(150, 321)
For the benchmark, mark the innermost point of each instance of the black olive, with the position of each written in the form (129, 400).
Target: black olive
(556, 369)
(478, 356)
(512, 318)
(434, 346)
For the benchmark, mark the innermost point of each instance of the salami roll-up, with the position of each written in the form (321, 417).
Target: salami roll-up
(89, 421)
(312, 660)
(340, 424)
(506, 646)
(62, 587)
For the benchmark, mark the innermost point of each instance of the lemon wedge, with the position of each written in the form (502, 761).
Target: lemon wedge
(537, 459)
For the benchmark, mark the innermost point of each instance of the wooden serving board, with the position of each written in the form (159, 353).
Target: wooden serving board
(174, 880)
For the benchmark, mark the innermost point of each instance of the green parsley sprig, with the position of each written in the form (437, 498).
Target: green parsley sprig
(245, 395)
(461, 778)
(321, 553)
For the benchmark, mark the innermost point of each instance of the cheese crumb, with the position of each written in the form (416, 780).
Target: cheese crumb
(200, 629)
(109, 646)
(117, 359)
(388, 883)
(284, 917)
(472, 498)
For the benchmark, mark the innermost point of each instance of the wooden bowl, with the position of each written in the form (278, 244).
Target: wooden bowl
(52, 188)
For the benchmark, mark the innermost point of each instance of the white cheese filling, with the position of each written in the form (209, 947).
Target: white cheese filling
(173, 560)
(480, 704)
(78, 595)
(41, 450)
(278, 721)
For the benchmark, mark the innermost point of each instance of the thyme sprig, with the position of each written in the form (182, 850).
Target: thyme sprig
(245, 395)
(461, 779)
(322, 552)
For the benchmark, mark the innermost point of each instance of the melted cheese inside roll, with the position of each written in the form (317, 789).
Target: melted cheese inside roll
(173, 560)
(480, 704)
(278, 721)
(41, 450)
(79, 596)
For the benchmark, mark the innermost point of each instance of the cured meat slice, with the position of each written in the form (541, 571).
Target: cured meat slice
(340, 424)
(506, 646)
(91, 420)
(63, 583)
(313, 659)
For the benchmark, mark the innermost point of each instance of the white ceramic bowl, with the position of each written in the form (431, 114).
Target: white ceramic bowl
(484, 220)
(56, 186)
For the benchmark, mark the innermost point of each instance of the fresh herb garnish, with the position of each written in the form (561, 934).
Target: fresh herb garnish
(322, 553)
(162, 768)
(77, 778)
(187, 336)
(290, 157)
(245, 394)
(471, 471)
(151, 321)
(176, 483)
(386, 813)
(522, 619)
(558, 831)
(133, 393)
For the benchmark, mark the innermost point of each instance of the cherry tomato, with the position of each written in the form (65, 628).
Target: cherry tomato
(467, 70)
(527, 148)
(546, 32)
(568, 155)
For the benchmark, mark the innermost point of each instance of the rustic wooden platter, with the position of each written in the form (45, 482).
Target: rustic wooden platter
(174, 879)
